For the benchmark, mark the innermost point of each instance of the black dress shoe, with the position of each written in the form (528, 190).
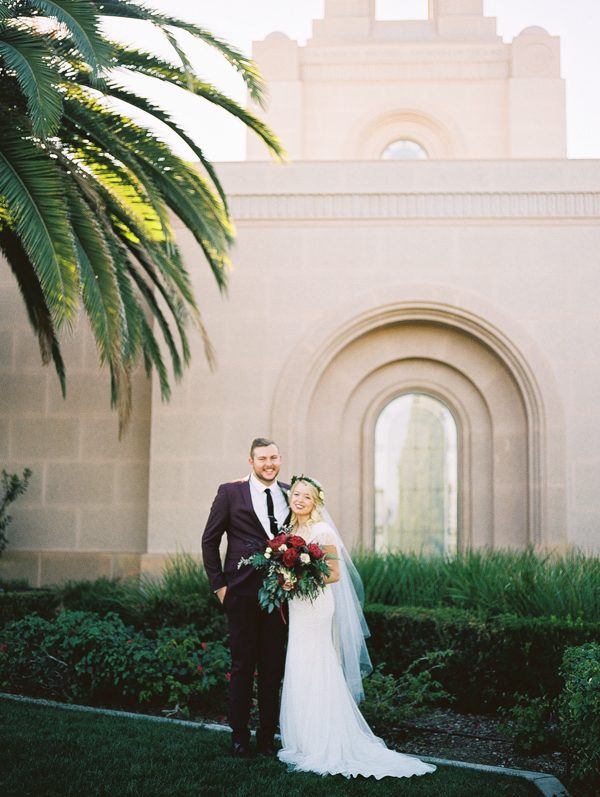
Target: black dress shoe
(266, 750)
(265, 745)
(240, 750)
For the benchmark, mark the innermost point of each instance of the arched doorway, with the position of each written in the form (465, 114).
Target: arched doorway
(335, 387)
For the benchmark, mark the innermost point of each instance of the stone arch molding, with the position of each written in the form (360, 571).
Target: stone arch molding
(440, 140)
(465, 351)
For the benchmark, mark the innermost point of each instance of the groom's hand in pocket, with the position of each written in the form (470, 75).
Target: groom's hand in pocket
(220, 593)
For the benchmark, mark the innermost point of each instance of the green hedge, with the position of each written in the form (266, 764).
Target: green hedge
(15, 605)
(579, 711)
(493, 660)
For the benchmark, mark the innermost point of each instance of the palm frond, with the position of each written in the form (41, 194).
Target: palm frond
(153, 357)
(240, 62)
(99, 290)
(33, 192)
(26, 55)
(148, 64)
(82, 21)
(183, 189)
(38, 312)
(120, 92)
(153, 305)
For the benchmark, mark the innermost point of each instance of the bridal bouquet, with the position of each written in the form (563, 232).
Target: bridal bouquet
(287, 558)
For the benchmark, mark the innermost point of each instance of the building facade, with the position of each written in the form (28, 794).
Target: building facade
(412, 316)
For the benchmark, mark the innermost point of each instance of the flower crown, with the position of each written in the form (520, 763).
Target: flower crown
(314, 482)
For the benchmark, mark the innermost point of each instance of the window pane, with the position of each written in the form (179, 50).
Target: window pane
(404, 150)
(416, 470)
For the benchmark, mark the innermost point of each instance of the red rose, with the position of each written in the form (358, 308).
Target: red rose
(315, 551)
(290, 557)
(280, 539)
(296, 541)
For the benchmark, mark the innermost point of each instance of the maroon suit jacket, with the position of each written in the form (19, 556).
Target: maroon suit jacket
(232, 514)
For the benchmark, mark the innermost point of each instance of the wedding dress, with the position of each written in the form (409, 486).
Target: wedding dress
(322, 729)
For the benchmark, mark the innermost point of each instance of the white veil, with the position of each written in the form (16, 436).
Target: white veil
(349, 625)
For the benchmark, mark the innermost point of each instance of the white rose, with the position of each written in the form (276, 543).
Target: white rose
(267, 554)
(283, 547)
(305, 558)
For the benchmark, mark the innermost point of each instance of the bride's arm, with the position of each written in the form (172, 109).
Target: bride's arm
(333, 564)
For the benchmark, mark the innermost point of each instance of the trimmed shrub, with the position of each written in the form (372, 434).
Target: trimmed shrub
(15, 605)
(493, 658)
(181, 597)
(81, 657)
(103, 595)
(579, 711)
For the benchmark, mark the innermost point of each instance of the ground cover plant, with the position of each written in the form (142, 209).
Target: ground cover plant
(523, 583)
(73, 753)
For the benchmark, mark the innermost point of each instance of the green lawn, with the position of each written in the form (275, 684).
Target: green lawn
(49, 751)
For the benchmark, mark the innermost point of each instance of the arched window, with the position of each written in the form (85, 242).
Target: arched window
(416, 476)
(404, 150)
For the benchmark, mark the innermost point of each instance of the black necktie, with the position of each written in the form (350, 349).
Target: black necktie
(271, 512)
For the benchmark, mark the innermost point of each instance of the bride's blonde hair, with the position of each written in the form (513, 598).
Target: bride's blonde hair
(315, 494)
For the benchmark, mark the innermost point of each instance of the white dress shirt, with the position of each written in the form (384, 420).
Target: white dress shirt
(259, 502)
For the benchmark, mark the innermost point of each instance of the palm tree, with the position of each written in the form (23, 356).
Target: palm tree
(87, 194)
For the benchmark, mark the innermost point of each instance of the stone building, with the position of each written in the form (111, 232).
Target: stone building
(413, 316)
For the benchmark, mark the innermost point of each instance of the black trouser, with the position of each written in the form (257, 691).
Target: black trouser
(257, 641)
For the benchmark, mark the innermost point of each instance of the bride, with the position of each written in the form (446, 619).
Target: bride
(322, 729)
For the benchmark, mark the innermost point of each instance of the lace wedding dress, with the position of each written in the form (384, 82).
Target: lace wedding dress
(322, 729)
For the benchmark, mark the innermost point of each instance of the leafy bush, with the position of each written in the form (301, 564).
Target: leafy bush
(81, 657)
(532, 724)
(15, 605)
(489, 582)
(493, 658)
(12, 487)
(389, 700)
(580, 710)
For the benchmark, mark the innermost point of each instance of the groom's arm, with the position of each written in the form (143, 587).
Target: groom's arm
(216, 525)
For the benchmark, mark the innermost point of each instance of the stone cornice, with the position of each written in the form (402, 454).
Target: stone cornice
(405, 53)
(410, 206)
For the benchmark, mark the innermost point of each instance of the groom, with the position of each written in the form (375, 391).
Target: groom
(249, 511)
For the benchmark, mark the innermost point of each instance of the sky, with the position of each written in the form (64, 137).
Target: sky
(240, 22)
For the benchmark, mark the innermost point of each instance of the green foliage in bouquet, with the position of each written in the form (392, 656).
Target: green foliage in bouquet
(289, 560)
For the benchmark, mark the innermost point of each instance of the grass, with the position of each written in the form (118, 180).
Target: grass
(525, 583)
(50, 752)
